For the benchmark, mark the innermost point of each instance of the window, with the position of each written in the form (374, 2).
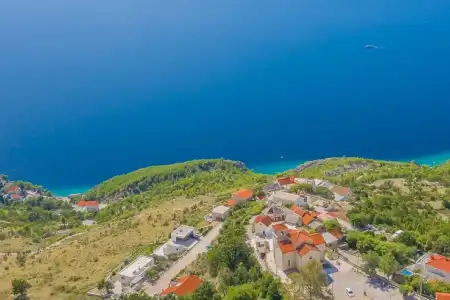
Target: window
(289, 263)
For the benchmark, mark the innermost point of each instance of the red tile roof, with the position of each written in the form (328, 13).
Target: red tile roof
(286, 180)
(231, 202)
(318, 239)
(307, 218)
(87, 203)
(278, 227)
(298, 210)
(16, 197)
(263, 219)
(439, 262)
(286, 247)
(244, 194)
(185, 286)
(337, 234)
(296, 236)
(305, 249)
(442, 296)
(12, 189)
(341, 190)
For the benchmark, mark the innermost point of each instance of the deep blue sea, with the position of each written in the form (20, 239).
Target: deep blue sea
(91, 89)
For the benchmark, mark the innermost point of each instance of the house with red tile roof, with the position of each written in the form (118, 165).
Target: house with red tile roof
(13, 189)
(341, 193)
(242, 196)
(442, 296)
(231, 203)
(293, 248)
(184, 286)
(261, 226)
(83, 205)
(285, 182)
(437, 267)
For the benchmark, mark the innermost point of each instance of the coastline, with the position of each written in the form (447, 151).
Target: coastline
(283, 165)
(275, 167)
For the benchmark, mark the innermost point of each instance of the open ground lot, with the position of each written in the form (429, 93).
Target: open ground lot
(345, 277)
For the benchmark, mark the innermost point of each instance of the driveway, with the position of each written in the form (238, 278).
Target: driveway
(201, 247)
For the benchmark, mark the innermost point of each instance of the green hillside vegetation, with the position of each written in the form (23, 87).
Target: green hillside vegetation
(146, 186)
(36, 218)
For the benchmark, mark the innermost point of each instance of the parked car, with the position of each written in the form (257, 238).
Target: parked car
(349, 292)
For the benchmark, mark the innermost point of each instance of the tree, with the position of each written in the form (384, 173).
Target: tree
(310, 283)
(205, 291)
(331, 225)
(406, 289)
(242, 292)
(371, 262)
(20, 288)
(388, 264)
(273, 291)
(407, 238)
(108, 286)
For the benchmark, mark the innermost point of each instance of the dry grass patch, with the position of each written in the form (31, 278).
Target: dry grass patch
(69, 270)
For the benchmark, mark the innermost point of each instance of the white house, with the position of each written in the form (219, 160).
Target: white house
(136, 269)
(220, 213)
(261, 226)
(341, 193)
(181, 239)
(294, 248)
(287, 198)
(437, 267)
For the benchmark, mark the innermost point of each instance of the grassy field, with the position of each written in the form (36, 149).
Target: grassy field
(69, 270)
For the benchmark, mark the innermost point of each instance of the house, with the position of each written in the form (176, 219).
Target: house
(337, 233)
(294, 248)
(13, 189)
(220, 213)
(293, 219)
(341, 193)
(322, 183)
(242, 196)
(231, 203)
(325, 216)
(437, 267)
(442, 296)
(330, 240)
(276, 212)
(317, 226)
(184, 286)
(181, 239)
(287, 198)
(285, 182)
(183, 233)
(87, 206)
(272, 187)
(136, 269)
(261, 226)
(16, 197)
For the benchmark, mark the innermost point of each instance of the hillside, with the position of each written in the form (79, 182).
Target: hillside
(143, 207)
(136, 190)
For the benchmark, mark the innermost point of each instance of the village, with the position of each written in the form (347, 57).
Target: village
(293, 229)
(296, 226)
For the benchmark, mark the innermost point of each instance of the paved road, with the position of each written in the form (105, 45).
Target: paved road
(183, 262)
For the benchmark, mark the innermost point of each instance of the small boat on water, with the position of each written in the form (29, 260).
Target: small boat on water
(370, 46)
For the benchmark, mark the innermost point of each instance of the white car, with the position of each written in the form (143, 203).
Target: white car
(349, 292)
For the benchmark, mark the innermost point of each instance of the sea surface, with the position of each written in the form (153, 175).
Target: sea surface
(91, 89)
